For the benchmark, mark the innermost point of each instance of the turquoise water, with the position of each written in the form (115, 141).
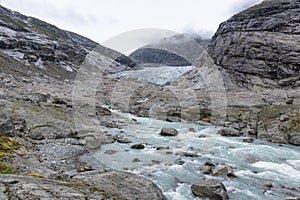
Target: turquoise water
(255, 163)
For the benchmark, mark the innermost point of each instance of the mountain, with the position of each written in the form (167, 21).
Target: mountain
(248, 79)
(46, 49)
(261, 42)
(161, 52)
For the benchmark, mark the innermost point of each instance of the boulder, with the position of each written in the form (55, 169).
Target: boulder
(102, 111)
(229, 132)
(138, 146)
(124, 185)
(168, 132)
(7, 127)
(210, 188)
(220, 170)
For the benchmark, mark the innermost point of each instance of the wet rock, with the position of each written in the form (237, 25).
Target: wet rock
(7, 127)
(110, 152)
(248, 140)
(268, 185)
(168, 132)
(162, 148)
(123, 140)
(138, 146)
(210, 188)
(232, 175)
(155, 162)
(136, 160)
(229, 132)
(209, 163)
(220, 170)
(192, 130)
(206, 169)
(179, 161)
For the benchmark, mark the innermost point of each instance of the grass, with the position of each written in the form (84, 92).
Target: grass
(7, 169)
(36, 175)
(8, 145)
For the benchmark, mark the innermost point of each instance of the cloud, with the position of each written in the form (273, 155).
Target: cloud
(241, 5)
(102, 19)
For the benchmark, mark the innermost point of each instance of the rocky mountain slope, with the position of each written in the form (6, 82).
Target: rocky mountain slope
(261, 42)
(47, 49)
(255, 57)
(40, 146)
(161, 52)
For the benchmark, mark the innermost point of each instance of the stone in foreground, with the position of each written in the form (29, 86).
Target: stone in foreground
(168, 132)
(212, 189)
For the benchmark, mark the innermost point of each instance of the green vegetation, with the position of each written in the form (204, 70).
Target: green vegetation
(36, 175)
(7, 169)
(8, 145)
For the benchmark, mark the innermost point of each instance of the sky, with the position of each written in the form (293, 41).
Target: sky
(100, 20)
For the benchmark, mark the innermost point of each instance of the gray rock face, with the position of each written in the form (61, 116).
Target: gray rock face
(6, 126)
(212, 189)
(262, 41)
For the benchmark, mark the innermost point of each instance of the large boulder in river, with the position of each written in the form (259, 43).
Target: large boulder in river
(168, 132)
(7, 127)
(211, 188)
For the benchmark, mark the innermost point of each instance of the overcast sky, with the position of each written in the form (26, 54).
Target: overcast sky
(102, 19)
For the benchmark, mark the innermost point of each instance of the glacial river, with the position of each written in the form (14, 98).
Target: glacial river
(174, 169)
(256, 164)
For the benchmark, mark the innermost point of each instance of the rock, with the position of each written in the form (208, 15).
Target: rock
(210, 188)
(284, 118)
(168, 132)
(244, 45)
(162, 148)
(179, 161)
(136, 160)
(173, 119)
(269, 185)
(208, 163)
(124, 140)
(7, 127)
(138, 146)
(124, 185)
(220, 170)
(192, 130)
(229, 132)
(110, 152)
(232, 175)
(102, 111)
(206, 169)
(155, 162)
(248, 140)
(293, 198)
